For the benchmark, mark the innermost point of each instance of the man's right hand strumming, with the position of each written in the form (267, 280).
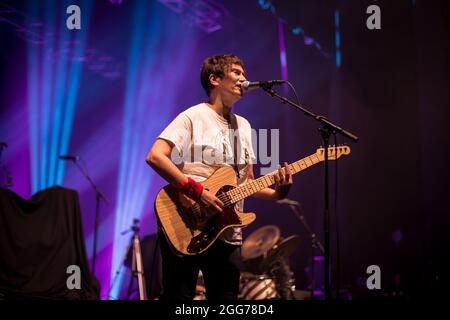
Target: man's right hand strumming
(210, 201)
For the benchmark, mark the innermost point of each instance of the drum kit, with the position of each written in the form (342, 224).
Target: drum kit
(267, 274)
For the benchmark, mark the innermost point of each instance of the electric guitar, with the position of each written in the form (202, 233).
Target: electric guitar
(191, 228)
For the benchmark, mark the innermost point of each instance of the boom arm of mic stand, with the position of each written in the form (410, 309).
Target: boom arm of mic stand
(98, 193)
(98, 196)
(331, 126)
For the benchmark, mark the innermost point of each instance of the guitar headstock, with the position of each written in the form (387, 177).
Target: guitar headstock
(333, 152)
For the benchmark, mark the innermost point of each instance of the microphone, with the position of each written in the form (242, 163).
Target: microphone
(288, 202)
(247, 85)
(73, 158)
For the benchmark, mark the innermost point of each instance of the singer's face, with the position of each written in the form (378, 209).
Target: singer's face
(230, 85)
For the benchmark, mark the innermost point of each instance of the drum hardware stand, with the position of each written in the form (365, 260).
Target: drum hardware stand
(283, 275)
(137, 266)
(296, 207)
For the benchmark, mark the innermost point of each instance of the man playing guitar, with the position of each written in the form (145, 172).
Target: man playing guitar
(193, 146)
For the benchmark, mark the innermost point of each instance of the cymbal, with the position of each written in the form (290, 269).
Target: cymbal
(260, 241)
(284, 249)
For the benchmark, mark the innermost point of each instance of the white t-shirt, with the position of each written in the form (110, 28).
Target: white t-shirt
(202, 140)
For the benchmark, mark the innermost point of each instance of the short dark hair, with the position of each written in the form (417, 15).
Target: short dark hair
(217, 65)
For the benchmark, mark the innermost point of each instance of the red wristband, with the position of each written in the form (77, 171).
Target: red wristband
(192, 189)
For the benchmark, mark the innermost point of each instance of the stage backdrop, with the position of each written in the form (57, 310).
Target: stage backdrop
(105, 91)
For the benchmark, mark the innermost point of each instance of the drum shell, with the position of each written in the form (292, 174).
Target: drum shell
(257, 287)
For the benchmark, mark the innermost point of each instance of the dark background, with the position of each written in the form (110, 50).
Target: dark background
(391, 90)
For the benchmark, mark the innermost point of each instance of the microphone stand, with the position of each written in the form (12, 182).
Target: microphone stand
(327, 129)
(98, 197)
(9, 181)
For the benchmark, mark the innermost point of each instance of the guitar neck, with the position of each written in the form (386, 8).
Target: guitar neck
(256, 185)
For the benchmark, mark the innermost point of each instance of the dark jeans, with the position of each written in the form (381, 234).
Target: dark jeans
(219, 265)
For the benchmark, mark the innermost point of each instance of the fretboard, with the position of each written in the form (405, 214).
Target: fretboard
(256, 185)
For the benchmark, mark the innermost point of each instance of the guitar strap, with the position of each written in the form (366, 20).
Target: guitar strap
(234, 140)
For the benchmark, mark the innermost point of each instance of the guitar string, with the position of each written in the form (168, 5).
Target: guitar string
(227, 199)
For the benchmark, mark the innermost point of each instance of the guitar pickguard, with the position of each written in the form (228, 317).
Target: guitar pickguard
(217, 223)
